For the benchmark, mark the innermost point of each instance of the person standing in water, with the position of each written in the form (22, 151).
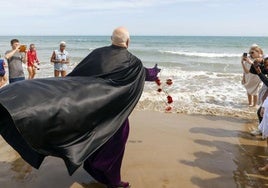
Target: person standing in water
(251, 81)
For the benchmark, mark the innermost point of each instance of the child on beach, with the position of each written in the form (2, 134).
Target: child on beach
(3, 77)
(32, 62)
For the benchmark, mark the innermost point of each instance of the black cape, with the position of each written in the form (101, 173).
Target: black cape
(72, 117)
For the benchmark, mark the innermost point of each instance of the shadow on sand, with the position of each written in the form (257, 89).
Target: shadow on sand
(237, 160)
(52, 173)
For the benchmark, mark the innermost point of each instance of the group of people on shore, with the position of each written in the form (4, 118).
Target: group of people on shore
(81, 134)
(19, 55)
(255, 67)
(87, 127)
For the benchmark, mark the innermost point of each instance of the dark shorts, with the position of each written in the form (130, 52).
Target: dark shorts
(11, 80)
(2, 73)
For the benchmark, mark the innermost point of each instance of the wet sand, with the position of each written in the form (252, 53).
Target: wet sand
(163, 151)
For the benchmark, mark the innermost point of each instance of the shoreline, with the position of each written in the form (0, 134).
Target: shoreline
(164, 150)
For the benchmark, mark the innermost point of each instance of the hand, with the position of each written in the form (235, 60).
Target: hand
(156, 68)
(243, 58)
(262, 112)
(17, 48)
(257, 68)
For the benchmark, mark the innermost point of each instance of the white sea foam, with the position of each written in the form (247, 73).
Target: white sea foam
(199, 92)
(201, 54)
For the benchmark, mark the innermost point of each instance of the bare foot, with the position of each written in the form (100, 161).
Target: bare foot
(264, 168)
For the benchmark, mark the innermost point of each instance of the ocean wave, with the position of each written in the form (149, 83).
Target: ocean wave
(198, 92)
(202, 54)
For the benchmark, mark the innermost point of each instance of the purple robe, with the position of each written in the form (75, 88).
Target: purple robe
(105, 164)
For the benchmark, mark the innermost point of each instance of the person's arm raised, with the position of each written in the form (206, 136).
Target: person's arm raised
(12, 52)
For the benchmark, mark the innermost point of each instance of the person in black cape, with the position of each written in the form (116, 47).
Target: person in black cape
(82, 118)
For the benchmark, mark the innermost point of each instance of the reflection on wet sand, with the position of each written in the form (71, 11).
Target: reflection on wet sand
(165, 151)
(246, 158)
(52, 173)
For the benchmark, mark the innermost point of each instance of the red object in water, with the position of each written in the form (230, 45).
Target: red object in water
(169, 82)
(168, 108)
(170, 100)
(158, 82)
(159, 90)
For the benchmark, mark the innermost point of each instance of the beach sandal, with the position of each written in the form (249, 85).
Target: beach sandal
(120, 185)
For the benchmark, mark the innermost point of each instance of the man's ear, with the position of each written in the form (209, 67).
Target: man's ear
(127, 43)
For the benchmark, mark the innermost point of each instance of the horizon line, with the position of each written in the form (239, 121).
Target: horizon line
(92, 35)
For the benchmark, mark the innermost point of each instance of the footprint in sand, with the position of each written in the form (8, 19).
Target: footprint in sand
(135, 141)
(165, 183)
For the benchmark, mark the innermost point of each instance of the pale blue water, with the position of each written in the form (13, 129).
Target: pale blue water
(206, 70)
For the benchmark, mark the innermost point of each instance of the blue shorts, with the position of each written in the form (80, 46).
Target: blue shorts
(2, 72)
(12, 80)
(60, 67)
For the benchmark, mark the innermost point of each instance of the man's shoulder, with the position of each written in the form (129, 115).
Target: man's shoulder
(8, 51)
(102, 48)
(113, 49)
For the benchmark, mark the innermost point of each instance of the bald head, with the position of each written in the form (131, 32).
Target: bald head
(120, 37)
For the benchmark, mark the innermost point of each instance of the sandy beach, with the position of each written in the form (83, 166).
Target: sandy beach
(164, 150)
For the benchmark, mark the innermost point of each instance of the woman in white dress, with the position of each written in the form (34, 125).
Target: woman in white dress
(251, 81)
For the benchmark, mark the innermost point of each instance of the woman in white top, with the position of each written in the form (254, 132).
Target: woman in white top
(251, 81)
(60, 58)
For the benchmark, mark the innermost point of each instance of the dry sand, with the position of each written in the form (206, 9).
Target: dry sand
(163, 151)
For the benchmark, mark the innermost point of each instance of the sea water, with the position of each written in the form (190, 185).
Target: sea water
(206, 71)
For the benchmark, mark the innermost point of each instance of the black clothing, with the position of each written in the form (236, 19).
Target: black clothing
(72, 117)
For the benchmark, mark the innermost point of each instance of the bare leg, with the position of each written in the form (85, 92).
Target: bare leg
(34, 72)
(56, 73)
(255, 99)
(1, 81)
(63, 73)
(4, 80)
(30, 72)
(249, 99)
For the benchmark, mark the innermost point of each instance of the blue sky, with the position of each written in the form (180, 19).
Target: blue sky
(141, 17)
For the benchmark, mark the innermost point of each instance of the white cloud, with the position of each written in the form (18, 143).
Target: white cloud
(33, 7)
(142, 16)
(18, 8)
(42, 6)
(133, 4)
